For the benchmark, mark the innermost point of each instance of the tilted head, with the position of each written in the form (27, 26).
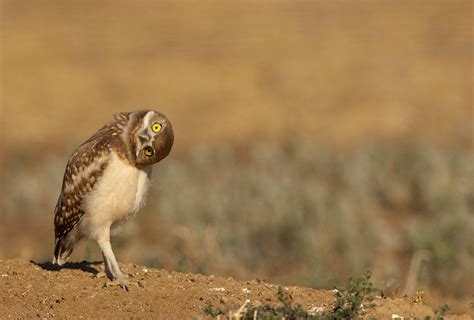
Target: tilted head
(153, 137)
(146, 134)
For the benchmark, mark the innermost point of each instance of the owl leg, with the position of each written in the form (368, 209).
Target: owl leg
(111, 263)
(107, 272)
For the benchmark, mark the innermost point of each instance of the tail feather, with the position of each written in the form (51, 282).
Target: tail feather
(63, 249)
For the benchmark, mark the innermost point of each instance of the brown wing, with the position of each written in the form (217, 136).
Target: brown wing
(83, 170)
(79, 178)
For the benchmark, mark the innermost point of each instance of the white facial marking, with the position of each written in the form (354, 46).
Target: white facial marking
(145, 128)
(146, 120)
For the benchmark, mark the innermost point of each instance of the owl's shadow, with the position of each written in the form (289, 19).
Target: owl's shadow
(86, 266)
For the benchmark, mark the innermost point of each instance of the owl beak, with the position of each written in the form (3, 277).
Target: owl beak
(144, 137)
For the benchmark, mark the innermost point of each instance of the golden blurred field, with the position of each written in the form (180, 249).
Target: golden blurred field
(303, 128)
(230, 70)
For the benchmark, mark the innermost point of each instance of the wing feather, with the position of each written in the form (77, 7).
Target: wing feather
(83, 171)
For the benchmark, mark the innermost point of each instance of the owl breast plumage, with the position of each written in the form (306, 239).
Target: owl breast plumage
(107, 178)
(117, 196)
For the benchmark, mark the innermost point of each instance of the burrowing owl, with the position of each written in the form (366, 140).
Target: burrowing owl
(106, 181)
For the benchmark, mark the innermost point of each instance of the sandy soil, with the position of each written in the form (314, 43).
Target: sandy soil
(40, 290)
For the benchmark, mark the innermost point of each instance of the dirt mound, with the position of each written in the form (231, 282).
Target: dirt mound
(30, 290)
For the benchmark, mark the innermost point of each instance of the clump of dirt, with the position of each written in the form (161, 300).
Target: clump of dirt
(31, 290)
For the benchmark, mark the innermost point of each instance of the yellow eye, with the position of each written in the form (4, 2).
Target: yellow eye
(156, 127)
(148, 151)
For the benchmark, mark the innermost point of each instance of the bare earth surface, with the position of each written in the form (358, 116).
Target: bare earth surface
(40, 290)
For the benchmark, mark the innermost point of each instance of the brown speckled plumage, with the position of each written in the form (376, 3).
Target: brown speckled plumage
(119, 147)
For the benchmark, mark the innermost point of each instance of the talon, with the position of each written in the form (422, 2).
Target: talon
(121, 283)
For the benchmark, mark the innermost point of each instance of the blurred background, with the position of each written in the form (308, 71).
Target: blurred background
(314, 139)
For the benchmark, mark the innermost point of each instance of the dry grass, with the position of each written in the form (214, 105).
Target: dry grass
(264, 97)
(291, 212)
(230, 71)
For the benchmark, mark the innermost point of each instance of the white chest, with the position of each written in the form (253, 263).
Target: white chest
(118, 195)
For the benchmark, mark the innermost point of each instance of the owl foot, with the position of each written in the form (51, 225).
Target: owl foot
(114, 283)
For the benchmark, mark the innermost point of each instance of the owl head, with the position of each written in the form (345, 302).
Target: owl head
(148, 135)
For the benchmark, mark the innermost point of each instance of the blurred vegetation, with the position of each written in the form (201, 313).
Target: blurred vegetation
(302, 213)
(273, 104)
(440, 313)
(232, 71)
(295, 212)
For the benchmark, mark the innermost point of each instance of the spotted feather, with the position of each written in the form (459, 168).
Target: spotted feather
(106, 181)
